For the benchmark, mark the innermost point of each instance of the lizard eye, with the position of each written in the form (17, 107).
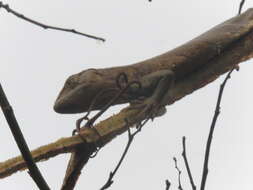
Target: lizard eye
(71, 82)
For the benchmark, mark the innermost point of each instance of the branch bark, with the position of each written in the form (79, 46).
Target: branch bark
(196, 64)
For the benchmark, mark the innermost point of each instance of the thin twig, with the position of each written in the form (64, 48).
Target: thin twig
(210, 136)
(179, 174)
(20, 140)
(240, 6)
(21, 16)
(187, 165)
(131, 136)
(167, 183)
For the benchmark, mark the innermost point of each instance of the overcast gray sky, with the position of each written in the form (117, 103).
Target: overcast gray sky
(35, 64)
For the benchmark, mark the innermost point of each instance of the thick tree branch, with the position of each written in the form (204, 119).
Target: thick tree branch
(108, 129)
(195, 64)
(220, 44)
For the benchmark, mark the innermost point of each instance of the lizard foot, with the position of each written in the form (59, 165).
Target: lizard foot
(78, 124)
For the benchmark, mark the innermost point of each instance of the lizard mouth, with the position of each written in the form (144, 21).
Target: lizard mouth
(78, 99)
(62, 107)
(71, 102)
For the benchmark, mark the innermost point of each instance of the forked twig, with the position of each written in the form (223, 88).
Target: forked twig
(20, 140)
(131, 136)
(179, 174)
(210, 136)
(187, 165)
(21, 16)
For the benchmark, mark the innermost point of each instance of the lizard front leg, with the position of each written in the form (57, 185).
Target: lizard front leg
(158, 84)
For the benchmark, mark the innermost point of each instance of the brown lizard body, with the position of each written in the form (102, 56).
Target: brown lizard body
(80, 89)
(185, 62)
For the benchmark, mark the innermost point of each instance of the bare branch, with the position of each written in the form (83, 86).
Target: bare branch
(20, 140)
(210, 136)
(179, 174)
(187, 165)
(240, 7)
(21, 16)
(167, 184)
(131, 136)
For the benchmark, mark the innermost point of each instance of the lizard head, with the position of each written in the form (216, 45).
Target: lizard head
(77, 92)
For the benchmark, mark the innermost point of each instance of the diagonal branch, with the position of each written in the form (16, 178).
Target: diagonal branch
(70, 144)
(167, 183)
(20, 140)
(131, 136)
(240, 6)
(21, 16)
(187, 165)
(210, 136)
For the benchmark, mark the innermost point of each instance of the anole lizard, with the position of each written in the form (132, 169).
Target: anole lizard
(73, 99)
(155, 86)
(80, 89)
(185, 61)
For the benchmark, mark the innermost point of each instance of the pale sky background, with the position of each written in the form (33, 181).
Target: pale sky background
(35, 64)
